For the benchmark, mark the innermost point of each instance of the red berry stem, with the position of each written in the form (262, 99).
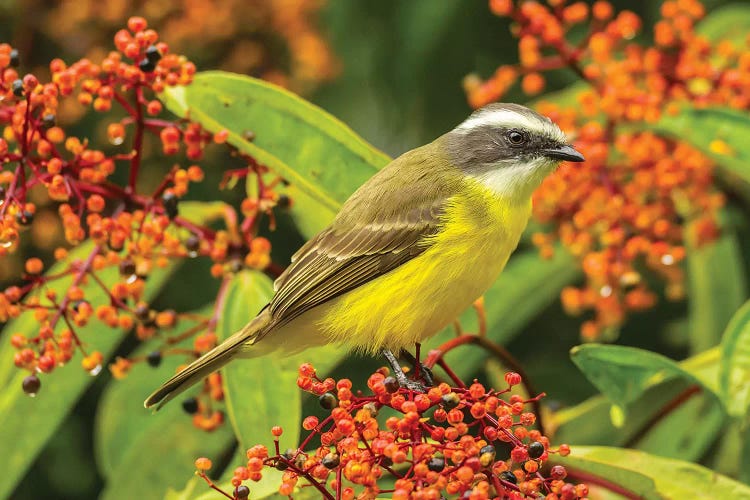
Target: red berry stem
(135, 163)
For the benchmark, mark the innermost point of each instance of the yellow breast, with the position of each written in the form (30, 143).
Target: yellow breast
(419, 298)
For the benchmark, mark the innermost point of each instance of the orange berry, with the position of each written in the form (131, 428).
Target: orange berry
(95, 203)
(154, 108)
(221, 136)
(34, 266)
(137, 23)
(116, 133)
(533, 83)
(203, 464)
(501, 7)
(602, 10)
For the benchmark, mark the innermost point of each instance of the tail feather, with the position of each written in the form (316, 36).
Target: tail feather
(209, 362)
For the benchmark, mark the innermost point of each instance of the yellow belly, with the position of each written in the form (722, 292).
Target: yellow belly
(419, 298)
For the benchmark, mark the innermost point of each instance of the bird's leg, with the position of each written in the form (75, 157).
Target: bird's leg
(420, 369)
(398, 372)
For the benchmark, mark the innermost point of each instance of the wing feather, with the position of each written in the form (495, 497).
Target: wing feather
(342, 258)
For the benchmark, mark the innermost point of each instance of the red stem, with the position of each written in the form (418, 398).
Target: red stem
(135, 162)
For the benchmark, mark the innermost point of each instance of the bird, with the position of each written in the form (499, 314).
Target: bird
(412, 248)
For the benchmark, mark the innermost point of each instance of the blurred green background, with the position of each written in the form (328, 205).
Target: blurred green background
(398, 84)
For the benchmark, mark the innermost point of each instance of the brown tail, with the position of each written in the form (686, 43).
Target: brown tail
(209, 362)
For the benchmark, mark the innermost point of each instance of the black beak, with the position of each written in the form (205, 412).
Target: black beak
(563, 153)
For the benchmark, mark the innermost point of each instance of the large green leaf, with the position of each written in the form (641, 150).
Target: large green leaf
(126, 433)
(650, 476)
(714, 270)
(670, 435)
(38, 418)
(720, 133)
(622, 374)
(121, 422)
(318, 155)
(27, 423)
(262, 392)
(735, 363)
(729, 22)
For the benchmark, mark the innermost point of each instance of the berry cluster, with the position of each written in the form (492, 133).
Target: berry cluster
(277, 40)
(628, 208)
(467, 442)
(132, 227)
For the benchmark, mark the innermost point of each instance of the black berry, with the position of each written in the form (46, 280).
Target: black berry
(127, 267)
(241, 492)
(536, 449)
(17, 87)
(391, 384)
(146, 65)
(169, 200)
(190, 405)
(436, 464)
(330, 461)
(154, 359)
(15, 60)
(31, 384)
(327, 401)
(509, 477)
(450, 400)
(153, 54)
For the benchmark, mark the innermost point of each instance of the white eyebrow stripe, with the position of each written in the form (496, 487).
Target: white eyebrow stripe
(511, 119)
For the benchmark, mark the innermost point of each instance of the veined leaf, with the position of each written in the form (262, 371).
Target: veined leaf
(735, 363)
(27, 423)
(728, 22)
(650, 476)
(622, 374)
(714, 270)
(673, 435)
(122, 423)
(318, 155)
(38, 418)
(262, 392)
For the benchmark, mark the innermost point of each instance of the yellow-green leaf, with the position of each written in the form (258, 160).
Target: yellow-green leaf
(318, 155)
(262, 392)
(713, 270)
(27, 423)
(735, 363)
(622, 374)
(650, 476)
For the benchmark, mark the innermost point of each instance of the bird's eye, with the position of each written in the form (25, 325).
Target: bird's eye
(516, 138)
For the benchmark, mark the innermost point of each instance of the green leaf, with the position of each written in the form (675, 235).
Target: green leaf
(672, 435)
(650, 476)
(27, 423)
(318, 155)
(202, 211)
(262, 392)
(127, 434)
(714, 270)
(622, 374)
(729, 22)
(735, 364)
(121, 421)
(721, 134)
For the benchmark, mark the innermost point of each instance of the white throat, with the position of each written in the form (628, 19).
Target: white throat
(516, 181)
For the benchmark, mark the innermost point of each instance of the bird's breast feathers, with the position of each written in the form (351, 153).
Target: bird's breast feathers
(417, 299)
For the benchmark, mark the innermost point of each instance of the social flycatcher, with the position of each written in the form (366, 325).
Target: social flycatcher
(410, 249)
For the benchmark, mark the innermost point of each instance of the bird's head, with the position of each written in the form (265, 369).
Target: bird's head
(508, 148)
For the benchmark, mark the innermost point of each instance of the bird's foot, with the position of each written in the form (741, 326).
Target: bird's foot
(403, 380)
